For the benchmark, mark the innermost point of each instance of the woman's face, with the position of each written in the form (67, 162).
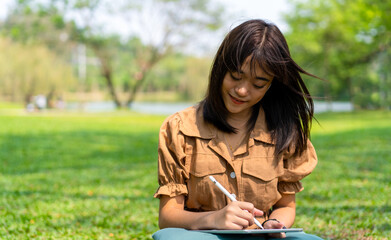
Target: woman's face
(242, 90)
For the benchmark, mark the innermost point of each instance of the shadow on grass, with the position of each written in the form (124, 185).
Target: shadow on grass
(97, 166)
(357, 152)
(351, 217)
(23, 154)
(53, 194)
(349, 190)
(112, 167)
(364, 149)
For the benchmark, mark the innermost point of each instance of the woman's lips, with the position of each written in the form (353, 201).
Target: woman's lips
(236, 101)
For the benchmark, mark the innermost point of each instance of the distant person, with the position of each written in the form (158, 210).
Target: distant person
(30, 107)
(30, 104)
(60, 103)
(251, 133)
(40, 101)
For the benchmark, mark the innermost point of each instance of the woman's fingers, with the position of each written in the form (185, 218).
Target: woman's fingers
(242, 213)
(258, 213)
(275, 225)
(236, 215)
(254, 212)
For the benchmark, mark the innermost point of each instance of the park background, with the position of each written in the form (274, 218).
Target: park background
(82, 163)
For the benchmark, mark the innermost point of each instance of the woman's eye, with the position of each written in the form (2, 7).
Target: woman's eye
(259, 87)
(235, 76)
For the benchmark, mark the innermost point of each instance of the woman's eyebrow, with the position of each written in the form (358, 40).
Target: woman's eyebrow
(256, 77)
(262, 78)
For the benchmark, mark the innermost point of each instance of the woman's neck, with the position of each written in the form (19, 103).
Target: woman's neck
(238, 121)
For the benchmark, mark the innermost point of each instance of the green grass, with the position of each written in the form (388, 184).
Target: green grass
(348, 195)
(78, 177)
(92, 176)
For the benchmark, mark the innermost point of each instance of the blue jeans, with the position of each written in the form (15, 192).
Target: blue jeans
(183, 234)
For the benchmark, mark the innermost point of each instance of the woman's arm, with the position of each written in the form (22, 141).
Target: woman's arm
(233, 216)
(284, 211)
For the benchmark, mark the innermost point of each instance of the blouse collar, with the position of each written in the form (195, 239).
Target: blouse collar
(205, 130)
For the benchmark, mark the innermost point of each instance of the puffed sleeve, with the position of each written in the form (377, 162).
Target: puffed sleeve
(172, 174)
(295, 169)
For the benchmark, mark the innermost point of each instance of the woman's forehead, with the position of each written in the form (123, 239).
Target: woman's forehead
(254, 67)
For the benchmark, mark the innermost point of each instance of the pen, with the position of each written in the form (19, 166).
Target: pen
(231, 197)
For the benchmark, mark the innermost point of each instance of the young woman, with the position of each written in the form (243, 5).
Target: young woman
(251, 133)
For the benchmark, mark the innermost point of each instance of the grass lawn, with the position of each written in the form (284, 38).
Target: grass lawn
(92, 176)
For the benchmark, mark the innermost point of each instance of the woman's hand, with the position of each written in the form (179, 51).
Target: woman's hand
(284, 211)
(235, 216)
(273, 224)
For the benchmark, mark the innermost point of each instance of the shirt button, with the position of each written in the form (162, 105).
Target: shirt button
(232, 175)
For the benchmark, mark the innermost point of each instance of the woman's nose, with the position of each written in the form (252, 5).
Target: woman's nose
(242, 89)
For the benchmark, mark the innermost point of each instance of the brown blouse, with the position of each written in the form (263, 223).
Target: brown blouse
(190, 150)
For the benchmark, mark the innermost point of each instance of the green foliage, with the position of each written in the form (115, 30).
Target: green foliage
(32, 22)
(166, 74)
(121, 65)
(194, 81)
(348, 44)
(29, 70)
(93, 176)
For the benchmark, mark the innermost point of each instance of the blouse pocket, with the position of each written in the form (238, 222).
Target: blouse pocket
(260, 180)
(201, 190)
(206, 165)
(261, 168)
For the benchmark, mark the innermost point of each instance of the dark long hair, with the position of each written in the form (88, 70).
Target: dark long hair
(287, 104)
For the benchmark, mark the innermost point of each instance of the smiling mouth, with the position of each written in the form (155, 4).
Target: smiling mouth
(236, 101)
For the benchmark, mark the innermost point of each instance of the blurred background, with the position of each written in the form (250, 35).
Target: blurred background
(78, 159)
(155, 55)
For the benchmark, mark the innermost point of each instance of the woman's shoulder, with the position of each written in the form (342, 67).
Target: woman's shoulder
(190, 122)
(187, 114)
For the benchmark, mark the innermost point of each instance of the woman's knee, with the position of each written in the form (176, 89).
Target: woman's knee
(301, 236)
(180, 234)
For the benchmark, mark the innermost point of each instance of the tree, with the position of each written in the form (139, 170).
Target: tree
(195, 80)
(341, 41)
(28, 71)
(41, 38)
(167, 26)
(33, 23)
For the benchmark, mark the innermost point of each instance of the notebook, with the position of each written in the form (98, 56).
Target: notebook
(252, 231)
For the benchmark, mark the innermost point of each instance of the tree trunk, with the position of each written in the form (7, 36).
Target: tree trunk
(28, 97)
(107, 74)
(49, 98)
(140, 79)
(142, 75)
(351, 90)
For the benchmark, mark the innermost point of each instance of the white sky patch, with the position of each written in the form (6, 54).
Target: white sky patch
(238, 10)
